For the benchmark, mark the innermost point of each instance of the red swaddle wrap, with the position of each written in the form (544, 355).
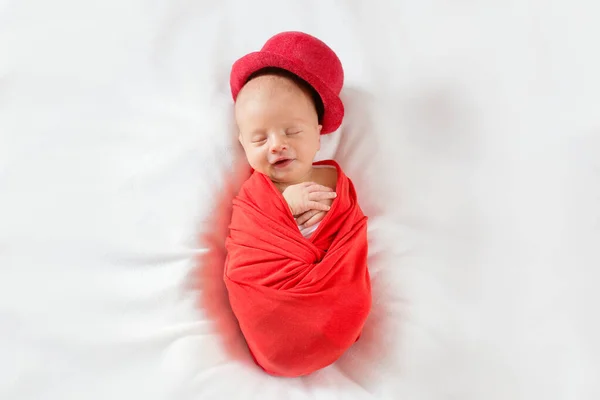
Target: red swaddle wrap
(300, 303)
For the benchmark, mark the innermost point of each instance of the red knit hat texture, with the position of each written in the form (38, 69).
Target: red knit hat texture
(305, 56)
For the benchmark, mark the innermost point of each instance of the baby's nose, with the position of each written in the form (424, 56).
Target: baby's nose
(278, 144)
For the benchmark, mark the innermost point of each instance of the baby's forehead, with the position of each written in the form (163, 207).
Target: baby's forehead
(267, 85)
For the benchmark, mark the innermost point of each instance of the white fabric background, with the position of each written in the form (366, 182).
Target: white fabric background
(473, 137)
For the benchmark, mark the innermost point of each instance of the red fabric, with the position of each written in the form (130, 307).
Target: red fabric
(306, 56)
(300, 303)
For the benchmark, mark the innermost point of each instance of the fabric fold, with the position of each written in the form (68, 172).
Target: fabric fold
(300, 303)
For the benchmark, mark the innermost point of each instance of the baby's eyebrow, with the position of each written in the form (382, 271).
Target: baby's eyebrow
(253, 131)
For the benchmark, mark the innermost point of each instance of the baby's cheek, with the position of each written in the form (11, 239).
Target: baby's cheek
(255, 159)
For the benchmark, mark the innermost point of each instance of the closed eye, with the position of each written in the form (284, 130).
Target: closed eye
(258, 139)
(293, 132)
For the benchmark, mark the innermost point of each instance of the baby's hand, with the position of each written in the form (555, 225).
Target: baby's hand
(307, 196)
(312, 217)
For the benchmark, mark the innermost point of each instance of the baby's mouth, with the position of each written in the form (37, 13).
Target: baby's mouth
(282, 163)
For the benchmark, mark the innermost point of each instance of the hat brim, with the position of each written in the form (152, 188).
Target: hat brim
(252, 62)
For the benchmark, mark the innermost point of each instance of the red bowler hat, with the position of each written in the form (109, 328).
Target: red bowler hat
(305, 56)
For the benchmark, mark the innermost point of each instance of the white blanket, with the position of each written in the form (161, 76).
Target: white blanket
(472, 134)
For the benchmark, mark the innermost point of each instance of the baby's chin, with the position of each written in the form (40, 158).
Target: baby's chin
(290, 178)
(291, 175)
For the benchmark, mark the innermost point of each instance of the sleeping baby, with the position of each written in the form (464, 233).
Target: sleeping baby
(296, 269)
(279, 123)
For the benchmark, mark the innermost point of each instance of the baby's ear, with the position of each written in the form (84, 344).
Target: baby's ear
(319, 127)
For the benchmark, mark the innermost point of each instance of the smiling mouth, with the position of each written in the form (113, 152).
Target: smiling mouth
(283, 163)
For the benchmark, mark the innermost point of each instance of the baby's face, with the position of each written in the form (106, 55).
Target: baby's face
(278, 128)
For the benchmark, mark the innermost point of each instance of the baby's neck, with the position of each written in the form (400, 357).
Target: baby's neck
(281, 186)
(322, 176)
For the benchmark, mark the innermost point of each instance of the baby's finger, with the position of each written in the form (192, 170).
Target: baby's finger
(322, 196)
(301, 220)
(319, 188)
(308, 184)
(315, 205)
(318, 217)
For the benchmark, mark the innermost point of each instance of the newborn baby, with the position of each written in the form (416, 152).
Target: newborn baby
(296, 269)
(278, 117)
